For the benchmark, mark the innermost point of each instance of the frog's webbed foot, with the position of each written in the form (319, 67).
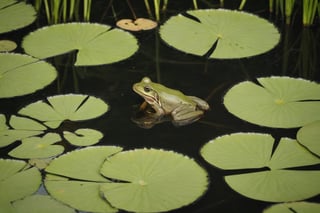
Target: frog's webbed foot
(185, 114)
(201, 104)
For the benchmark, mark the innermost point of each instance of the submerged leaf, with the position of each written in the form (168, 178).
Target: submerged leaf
(65, 107)
(281, 102)
(152, 180)
(14, 15)
(40, 203)
(22, 74)
(83, 137)
(220, 33)
(95, 43)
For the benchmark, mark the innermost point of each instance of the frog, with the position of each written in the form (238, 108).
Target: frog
(164, 101)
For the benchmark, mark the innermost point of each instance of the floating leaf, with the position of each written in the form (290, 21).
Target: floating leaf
(96, 43)
(83, 164)
(220, 33)
(251, 150)
(280, 102)
(14, 15)
(22, 74)
(37, 147)
(137, 25)
(83, 137)
(309, 136)
(16, 182)
(8, 136)
(40, 203)
(152, 180)
(7, 45)
(23, 123)
(80, 195)
(65, 107)
(297, 207)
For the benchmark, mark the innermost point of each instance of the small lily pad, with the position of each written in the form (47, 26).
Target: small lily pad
(16, 182)
(83, 137)
(309, 136)
(38, 147)
(251, 150)
(297, 207)
(22, 74)
(65, 107)
(8, 136)
(40, 203)
(15, 15)
(281, 102)
(95, 43)
(220, 33)
(152, 180)
(7, 45)
(137, 25)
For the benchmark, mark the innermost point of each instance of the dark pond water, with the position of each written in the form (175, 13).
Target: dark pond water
(208, 79)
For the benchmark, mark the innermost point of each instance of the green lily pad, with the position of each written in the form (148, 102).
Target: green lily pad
(281, 102)
(16, 182)
(96, 43)
(7, 45)
(40, 203)
(23, 123)
(83, 137)
(152, 180)
(309, 136)
(22, 74)
(8, 136)
(82, 165)
(252, 150)
(80, 195)
(15, 15)
(65, 107)
(297, 207)
(220, 33)
(38, 147)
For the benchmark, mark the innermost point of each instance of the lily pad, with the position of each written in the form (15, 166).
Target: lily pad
(281, 102)
(16, 182)
(7, 45)
(38, 147)
(15, 15)
(59, 108)
(220, 33)
(297, 207)
(95, 43)
(82, 165)
(309, 136)
(83, 137)
(252, 150)
(137, 25)
(40, 203)
(22, 74)
(152, 180)
(24, 125)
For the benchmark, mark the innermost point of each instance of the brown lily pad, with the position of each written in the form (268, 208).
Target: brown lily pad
(137, 25)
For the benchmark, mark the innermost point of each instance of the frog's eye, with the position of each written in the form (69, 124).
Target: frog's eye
(147, 89)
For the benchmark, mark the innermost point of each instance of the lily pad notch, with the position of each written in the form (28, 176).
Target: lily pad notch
(220, 33)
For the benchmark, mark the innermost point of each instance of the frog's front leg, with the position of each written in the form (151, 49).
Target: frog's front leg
(185, 114)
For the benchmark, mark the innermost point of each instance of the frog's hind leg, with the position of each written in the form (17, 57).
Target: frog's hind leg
(184, 115)
(201, 104)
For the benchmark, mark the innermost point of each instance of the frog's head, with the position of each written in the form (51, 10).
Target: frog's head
(148, 90)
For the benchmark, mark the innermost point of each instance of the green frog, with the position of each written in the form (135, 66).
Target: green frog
(166, 101)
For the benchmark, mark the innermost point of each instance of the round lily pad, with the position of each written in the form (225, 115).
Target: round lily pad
(137, 25)
(15, 15)
(152, 180)
(297, 207)
(16, 182)
(95, 43)
(83, 137)
(73, 107)
(251, 150)
(309, 136)
(7, 45)
(22, 74)
(281, 102)
(220, 33)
